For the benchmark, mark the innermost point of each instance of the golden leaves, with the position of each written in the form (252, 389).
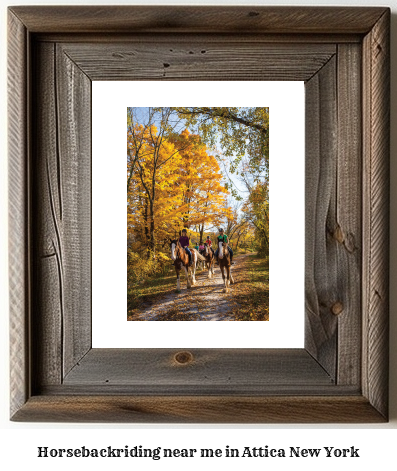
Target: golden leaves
(173, 184)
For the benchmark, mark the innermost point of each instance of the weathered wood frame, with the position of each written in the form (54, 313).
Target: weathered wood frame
(343, 56)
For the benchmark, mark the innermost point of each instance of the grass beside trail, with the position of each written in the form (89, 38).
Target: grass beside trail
(251, 291)
(149, 290)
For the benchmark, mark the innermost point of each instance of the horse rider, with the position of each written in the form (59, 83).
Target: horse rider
(184, 241)
(209, 243)
(222, 237)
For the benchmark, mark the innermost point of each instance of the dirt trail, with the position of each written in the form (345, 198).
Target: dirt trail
(205, 301)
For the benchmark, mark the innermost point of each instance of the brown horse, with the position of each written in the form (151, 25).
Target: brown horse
(209, 260)
(225, 265)
(181, 260)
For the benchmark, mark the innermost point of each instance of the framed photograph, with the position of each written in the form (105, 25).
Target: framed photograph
(340, 374)
(236, 201)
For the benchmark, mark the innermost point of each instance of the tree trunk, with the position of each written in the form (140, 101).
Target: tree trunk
(152, 239)
(146, 217)
(238, 239)
(201, 228)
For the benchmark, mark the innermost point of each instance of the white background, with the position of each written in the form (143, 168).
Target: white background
(19, 442)
(286, 105)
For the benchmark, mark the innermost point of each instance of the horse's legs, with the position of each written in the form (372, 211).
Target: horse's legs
(227, 279)
(209, 269)
(194, 273)
(231, 277)
(187, 276)
(178, 282)
(223, 277)
(194, 268)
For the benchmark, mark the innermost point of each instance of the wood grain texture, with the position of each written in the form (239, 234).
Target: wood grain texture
(62, 208)
(231, 371)
(48, 300)
(189, 38)
(346, 289)
(199, 409)
(321, 261)
(376, 92)
(73, 89)
(196, 19)
(225, 59)
(347, 228)
(18, 212)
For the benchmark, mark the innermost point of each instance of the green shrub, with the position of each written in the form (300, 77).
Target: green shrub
(140, 267)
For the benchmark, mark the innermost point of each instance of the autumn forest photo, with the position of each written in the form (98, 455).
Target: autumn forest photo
(198, 214)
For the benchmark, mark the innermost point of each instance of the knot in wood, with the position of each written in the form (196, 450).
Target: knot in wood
(183, 357)
(337, 308)
(338, 235)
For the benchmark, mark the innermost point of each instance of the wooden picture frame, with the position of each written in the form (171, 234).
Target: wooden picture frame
(342, 54)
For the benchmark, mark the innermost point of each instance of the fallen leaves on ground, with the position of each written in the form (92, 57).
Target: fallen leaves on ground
(247, 300)
(251, 293)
